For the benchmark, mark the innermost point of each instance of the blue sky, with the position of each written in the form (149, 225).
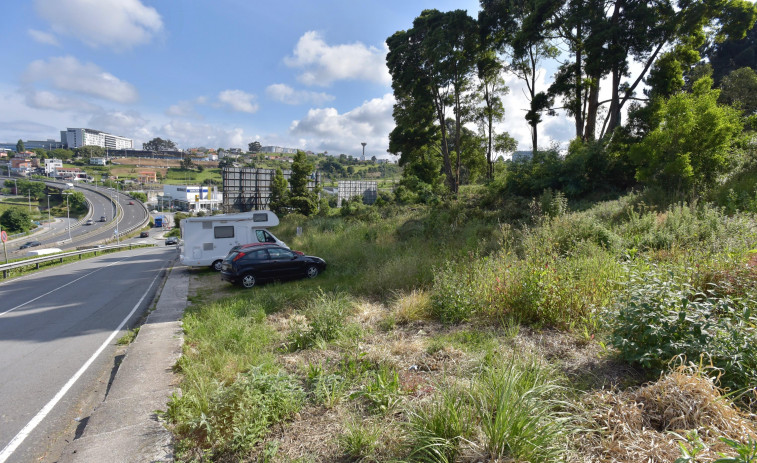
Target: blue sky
(221, 73)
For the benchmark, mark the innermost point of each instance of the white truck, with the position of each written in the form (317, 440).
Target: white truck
(207, 240)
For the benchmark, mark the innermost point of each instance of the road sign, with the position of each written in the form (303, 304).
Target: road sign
(3, 236)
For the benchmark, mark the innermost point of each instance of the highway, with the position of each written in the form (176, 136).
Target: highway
(58, 333)
(102, 203)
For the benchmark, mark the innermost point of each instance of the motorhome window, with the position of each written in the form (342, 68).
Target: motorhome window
(268, 237)
(223, 232)
(260, 217)
(207, 225)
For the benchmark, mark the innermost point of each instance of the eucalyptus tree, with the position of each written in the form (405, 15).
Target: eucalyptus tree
(520, 29)
(431, 66)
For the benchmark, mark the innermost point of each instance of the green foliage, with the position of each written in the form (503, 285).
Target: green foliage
(360, 441)
(279, 193)
(26, 187)
(15, 220)
(518, 412)
(20, 146)
(438, 428)
(158, 144)
(325, 321)
(690, 143)
(301, 199)
(239, 414)
(739, 89)
(139, 196)
(382, 390)
(660, 317)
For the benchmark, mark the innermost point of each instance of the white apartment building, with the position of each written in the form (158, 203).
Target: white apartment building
(98, 161)
(51, 165)
(78, 137)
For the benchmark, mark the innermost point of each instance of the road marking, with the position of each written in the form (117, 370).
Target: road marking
(69, 283)
(24, 433)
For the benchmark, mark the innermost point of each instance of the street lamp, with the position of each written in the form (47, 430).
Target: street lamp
(49, 220)
(68, 219)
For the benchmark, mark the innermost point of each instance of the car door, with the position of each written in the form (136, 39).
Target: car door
(258, 263)
(283, 263)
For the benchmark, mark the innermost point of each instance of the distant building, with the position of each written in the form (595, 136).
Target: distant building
(78, 137)
(351, 188)
(73, 173)
(277, 149)
(21, 166)
(52, 164)
(98, 161)
(191, 198)
(148, 177)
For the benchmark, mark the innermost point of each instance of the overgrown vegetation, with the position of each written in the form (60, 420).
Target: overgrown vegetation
(419, 341)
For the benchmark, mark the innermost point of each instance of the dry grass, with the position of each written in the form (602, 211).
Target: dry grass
(646, 424)
(619, 424)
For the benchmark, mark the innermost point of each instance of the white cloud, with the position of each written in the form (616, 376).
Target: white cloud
(238, 100)
(118, 122)
(67, 73)
(43, 99)
(44, 37)
(186, 108)
(287, 95)
(342, 133)
(323, 64)
(190, 134)
(117, 24)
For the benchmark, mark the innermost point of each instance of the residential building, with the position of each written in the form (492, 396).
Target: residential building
(73, 173)
(98, 161)
(21, 166)
(148, 176)
(52, 164)
(277, 149)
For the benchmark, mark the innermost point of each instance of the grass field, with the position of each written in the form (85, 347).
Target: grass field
(452, 334)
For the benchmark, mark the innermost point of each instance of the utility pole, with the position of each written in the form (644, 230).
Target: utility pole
(49, 220)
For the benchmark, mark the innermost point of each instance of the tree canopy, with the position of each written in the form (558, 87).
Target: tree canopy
(158, 144)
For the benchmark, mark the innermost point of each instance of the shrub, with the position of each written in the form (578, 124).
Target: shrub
(661, 317)
(239, 414)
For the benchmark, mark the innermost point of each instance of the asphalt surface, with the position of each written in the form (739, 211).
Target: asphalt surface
(103, 202)
(58, 333)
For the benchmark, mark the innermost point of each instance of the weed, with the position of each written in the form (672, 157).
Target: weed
(128, 338)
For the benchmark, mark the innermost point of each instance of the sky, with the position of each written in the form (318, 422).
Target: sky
(219, 74)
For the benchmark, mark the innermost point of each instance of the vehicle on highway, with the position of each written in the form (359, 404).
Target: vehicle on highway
(207, 240)
(103, 218)
(89, 222)
(172, 240)
(131, 203)
(251, 264)
(144, 234)
(30, 244)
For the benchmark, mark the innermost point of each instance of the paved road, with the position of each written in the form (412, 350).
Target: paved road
(58, 330)
(102, 205)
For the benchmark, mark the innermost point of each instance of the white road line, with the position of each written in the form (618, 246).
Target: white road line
(24, 433)
(69, 283)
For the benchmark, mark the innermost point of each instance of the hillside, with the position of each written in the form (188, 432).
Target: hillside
(460, 333)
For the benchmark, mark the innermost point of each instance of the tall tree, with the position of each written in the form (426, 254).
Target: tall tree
(158, 144)
(431, 66)
(739, 88)
(279, 199)
(20, 146)
(302, 199)
(254, 147)
(517, 28)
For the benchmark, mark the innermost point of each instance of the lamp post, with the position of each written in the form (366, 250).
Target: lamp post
(30, 200)
(49, 219)
(68, 218)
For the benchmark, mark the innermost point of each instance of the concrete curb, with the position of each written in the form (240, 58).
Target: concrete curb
(125, 427)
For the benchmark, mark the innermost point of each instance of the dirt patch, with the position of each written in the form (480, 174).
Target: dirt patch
(206, 286)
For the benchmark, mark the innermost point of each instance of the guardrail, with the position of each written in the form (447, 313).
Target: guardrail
(6, 268)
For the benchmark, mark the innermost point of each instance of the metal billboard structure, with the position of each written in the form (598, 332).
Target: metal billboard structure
(249, 188)
(351, 188)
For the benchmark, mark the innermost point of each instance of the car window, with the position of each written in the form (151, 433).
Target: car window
(259, 255)
(268, 237)
(278, 253)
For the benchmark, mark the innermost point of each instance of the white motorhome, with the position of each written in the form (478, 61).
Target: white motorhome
(207, 240)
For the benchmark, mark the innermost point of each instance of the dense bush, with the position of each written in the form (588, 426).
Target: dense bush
(660, 317)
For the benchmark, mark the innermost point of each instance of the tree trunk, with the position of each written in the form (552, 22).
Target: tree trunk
(578, 71)
(591, 113)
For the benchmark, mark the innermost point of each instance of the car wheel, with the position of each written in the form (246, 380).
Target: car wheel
(312, 271)
(216, 265)
(248, 281)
